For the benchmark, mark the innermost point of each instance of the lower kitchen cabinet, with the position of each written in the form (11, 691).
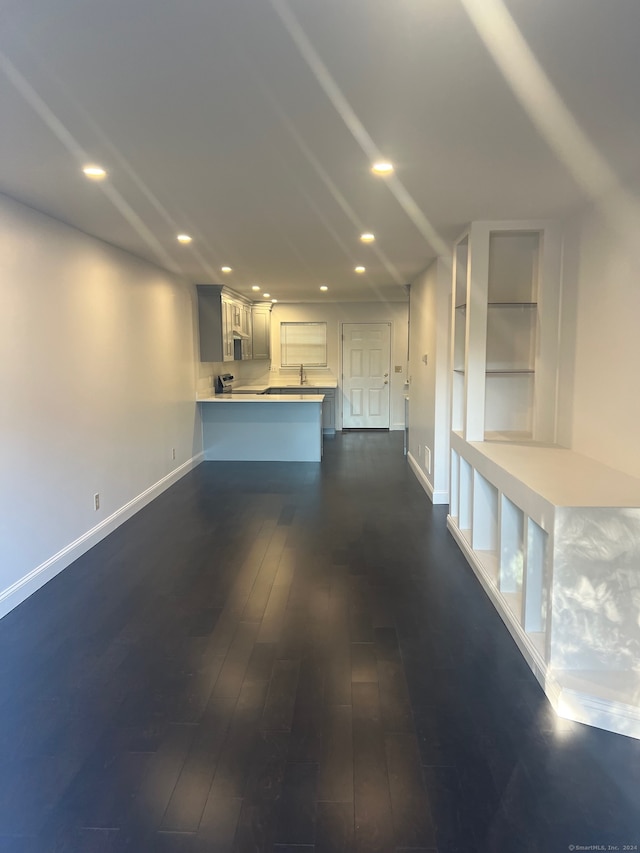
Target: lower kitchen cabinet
(328, 405)
(328, 410)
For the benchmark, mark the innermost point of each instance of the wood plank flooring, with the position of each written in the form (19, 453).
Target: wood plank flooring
(290, 657)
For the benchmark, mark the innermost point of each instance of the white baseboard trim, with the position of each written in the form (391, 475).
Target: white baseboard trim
(15, 594)
(435, 496)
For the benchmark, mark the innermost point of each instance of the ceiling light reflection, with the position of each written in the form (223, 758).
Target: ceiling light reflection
(95, 173)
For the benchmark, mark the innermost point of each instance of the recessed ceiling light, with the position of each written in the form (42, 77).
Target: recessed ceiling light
(184, 238)
(266, 295)
(368, 237)
(255, 287)
(323, 287)
(274, 300)
(96, 173)
(382, 167)
(360, 270)
(226, 269)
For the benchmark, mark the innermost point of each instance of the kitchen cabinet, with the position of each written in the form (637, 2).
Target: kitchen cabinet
(246, 324)
(261, 330)
(328, 404)
(328, 410)
(227, 330)
(223, 317)
(258, 428)
(215, 322)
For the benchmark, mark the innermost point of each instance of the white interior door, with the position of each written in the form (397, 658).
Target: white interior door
(365, 375)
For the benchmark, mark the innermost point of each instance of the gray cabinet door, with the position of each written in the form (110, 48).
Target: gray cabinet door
(328, 409)
(261, 322)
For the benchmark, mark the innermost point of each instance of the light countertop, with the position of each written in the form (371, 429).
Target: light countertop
(251, 389)
(275, 383)
(262, 398)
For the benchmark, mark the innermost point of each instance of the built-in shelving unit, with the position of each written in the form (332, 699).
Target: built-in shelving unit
(535, 520)
(505, 303)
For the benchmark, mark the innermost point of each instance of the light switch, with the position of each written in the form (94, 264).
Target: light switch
(398, 368)
(425, 358)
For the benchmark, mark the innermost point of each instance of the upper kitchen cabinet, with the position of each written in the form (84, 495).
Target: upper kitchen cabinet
(261, 325)
(224, 319)
(505, 305)
(215, 320)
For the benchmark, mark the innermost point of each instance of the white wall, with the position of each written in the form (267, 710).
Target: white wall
(429, 383)
(97, 379)
(336, 313)
(245, 372)
(599, 396)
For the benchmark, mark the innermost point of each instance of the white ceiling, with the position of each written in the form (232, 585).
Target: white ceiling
(250, 124)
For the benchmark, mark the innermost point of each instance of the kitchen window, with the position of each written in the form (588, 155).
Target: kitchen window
(303, 343)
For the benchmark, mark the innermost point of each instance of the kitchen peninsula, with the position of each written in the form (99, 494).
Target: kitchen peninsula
(262, 428)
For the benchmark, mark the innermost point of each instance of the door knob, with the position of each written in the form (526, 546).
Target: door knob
(385, 382)
(385, 376)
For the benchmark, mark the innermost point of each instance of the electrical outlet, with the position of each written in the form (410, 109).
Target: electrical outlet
(173, 453)
(96, 501)
(427, 459)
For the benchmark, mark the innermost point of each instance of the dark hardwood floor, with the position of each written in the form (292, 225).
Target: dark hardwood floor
(290, 657)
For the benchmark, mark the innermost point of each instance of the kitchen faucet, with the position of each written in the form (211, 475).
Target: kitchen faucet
(301, 374)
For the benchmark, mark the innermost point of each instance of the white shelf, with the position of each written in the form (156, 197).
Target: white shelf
(538, 640)
(485, 515)
(563, 521)
(512, 550)
(489, 562)
(514, 261)
(513, 600)
(454, 479)
(535, 578)
(518, 436)
(505, 307)
(465, 495)
(558, 475)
